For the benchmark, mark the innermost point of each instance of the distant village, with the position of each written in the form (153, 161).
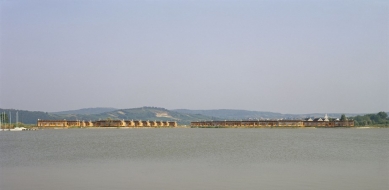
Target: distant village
(309, 122)
(104, 123)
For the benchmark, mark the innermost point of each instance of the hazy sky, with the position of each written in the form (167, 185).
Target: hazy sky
(281, 56)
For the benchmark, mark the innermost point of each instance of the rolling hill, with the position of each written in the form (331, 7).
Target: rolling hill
(87, 111)
(30, 117)
(152, 113)
(143, 113)
(232, 114)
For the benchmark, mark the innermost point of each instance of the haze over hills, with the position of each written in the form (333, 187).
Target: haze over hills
(182, 116)
(29, 117)
(143, 113)
(87, 111)
(231, 114)
(151, 113)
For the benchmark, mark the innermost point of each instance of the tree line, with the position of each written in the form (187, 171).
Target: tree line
(379, 119)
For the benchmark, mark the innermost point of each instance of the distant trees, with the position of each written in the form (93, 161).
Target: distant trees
(381, 118)
(382, 115)
(30, 117)
(19, 124)
(343, 118)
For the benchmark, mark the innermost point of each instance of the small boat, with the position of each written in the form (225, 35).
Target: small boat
(18, 129)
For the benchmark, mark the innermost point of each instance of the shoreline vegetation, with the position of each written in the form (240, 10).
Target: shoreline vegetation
(380, 119)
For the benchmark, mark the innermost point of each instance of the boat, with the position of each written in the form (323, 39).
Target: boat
(18, 129)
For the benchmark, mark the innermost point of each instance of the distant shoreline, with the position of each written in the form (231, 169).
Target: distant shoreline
(215, 127)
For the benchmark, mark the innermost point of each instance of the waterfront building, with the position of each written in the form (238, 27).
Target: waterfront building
(104, 123)
(52, 123)
(153, 124)
(109, 123)
(172, 124)
(146, 123)
(63, 123)
(317, 122)
(160, 124)
(130, 123)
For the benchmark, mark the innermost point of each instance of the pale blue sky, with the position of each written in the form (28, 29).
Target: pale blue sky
(280, 56)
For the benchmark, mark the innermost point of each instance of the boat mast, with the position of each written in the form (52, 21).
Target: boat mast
(17, 119)
(10, 121)
(3, 119)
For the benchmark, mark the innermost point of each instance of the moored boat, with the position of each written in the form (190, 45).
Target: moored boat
(18, 129)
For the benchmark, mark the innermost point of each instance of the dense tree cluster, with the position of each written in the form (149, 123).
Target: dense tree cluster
(381, 118)
(343, 117)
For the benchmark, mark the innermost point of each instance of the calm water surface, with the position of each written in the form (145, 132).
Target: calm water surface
(94, 159)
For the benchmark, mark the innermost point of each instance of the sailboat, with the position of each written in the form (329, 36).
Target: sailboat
(17, 128)
(1, 120)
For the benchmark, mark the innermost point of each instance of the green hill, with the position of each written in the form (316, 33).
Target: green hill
(29, 117)
(231, 114)
(87, 111)
(152, 113)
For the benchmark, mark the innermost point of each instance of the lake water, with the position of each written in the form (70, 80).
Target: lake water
(93, 159)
